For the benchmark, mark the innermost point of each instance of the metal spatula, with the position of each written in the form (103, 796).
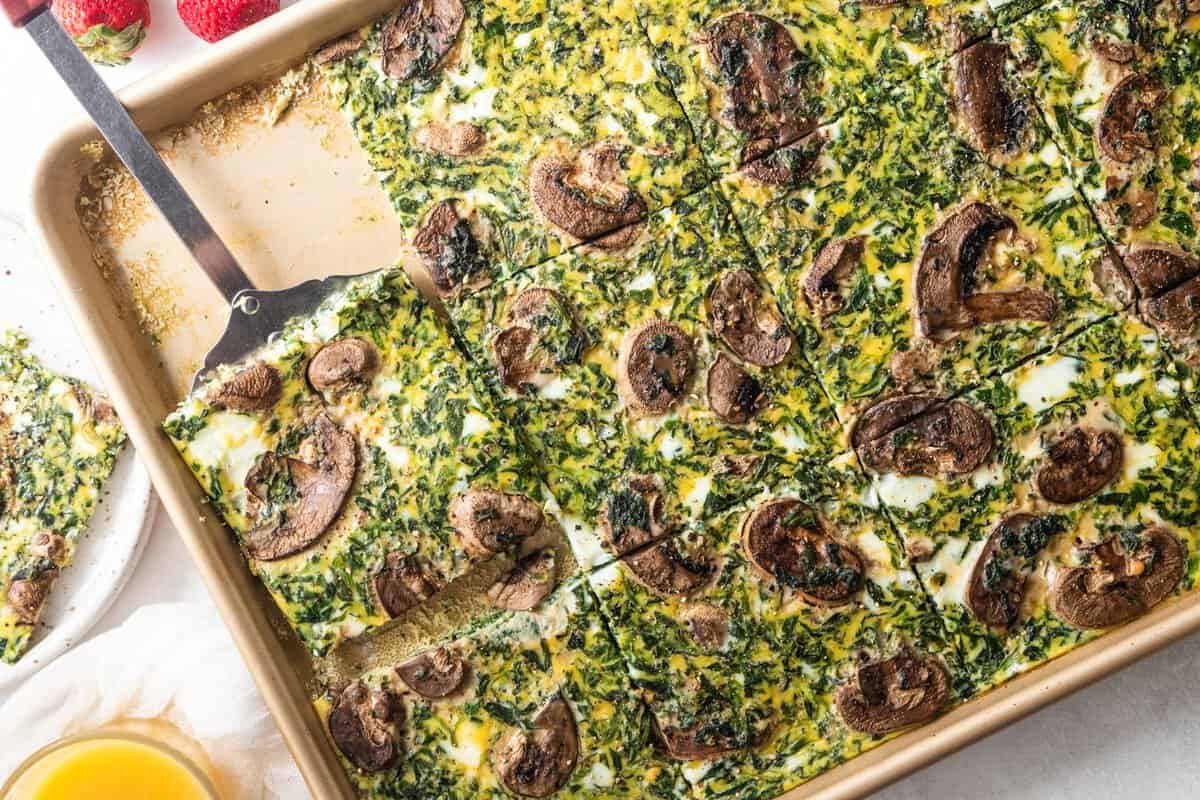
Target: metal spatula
(254, 314)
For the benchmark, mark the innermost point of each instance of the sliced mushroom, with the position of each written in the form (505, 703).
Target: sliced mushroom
(833, 265)
(747, 321)
(416, 41)
(981, 97)
(1127, 128)
(762, 75)
(584, 196)
(997, 585)
(944, 285)
(364, 724)
(654, 367)
(539, 761)
(1115, 31)
(1113, 279)
(708, 625)
(633, 515)
(1176, 316)
(403, 584)
(1082, 462)
(733, 394)
(255, 388)
(1123, 578)
(921, 434)
(891, 694)
(316, 480)
(702, 741)
(48, 545)
(434, 674)
(667, 572)
(488, 521)
(1156, 268)
(27, 596)
(908, 367)
(457, 139)
(525, 586)
(343, 363)
(787, 541)
(542, 336)
(339, 49)
(785, 166)
(450, 251)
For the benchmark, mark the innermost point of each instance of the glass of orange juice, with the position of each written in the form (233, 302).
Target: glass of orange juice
(108, 765)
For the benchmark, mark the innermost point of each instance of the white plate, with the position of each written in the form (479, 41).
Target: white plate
(109, 549)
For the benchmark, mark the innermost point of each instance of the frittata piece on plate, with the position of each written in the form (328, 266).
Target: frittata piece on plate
(667, 364)
(755, 77)
(358, 468)
(784, 637)
(906, 259)
(507, 132)
(1045, 505)
(534, 704)
(59, 442)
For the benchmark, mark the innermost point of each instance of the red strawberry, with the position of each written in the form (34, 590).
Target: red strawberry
(213, 20)
(107, 31)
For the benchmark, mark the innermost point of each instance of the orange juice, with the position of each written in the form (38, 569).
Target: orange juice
(108, 766)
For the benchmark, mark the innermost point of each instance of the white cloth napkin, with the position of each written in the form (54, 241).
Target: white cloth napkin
(173, 662)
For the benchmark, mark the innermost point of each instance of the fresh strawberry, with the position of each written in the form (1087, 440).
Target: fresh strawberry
(213, 20)
(107, 31)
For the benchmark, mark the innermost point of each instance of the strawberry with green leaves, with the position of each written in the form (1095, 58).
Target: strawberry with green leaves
(107, 31)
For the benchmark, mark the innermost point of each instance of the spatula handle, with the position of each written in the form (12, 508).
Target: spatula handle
(21, 11)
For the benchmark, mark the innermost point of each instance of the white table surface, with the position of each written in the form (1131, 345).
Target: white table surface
(1135, 734)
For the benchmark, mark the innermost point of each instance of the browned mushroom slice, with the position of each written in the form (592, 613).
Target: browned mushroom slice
(417, 39)
(434, 674)
(526, 585)
(338, 49)
(539, 761)
(746, 320)
(833, 265)
(48, 545)
(785, 166)
(343, 363)
(1082, 462)
(787, 541)
(488, 521)
(667, 572)
(981, 96)
(1127, 128)
(908, 367)
(700, 742)
(891, 694)
(457, 139)
(920, 434)
(402, 584)
(708, 625)
(997, 584)
(733, 394)
(585, 197)
(944, 285)
(633, 515)
(654, 367)
(27, 595)
(255, 388)
(1155, 268)
(364, 724)
(542, 336)
(449, 249)
(294, 501)
(1176, 316)
(762, 75)
(1122, 578)
(1109, 273)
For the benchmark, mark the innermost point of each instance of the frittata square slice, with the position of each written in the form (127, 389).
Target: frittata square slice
(59, 442)
(357, 466)
(754, 77)
(669, 359)
(906, 257)
(532, 704)
(505, 133)
(768, 641)
(1048, 504)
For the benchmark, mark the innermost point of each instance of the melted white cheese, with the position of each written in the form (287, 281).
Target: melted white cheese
(905, 491)
(1044, 385)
